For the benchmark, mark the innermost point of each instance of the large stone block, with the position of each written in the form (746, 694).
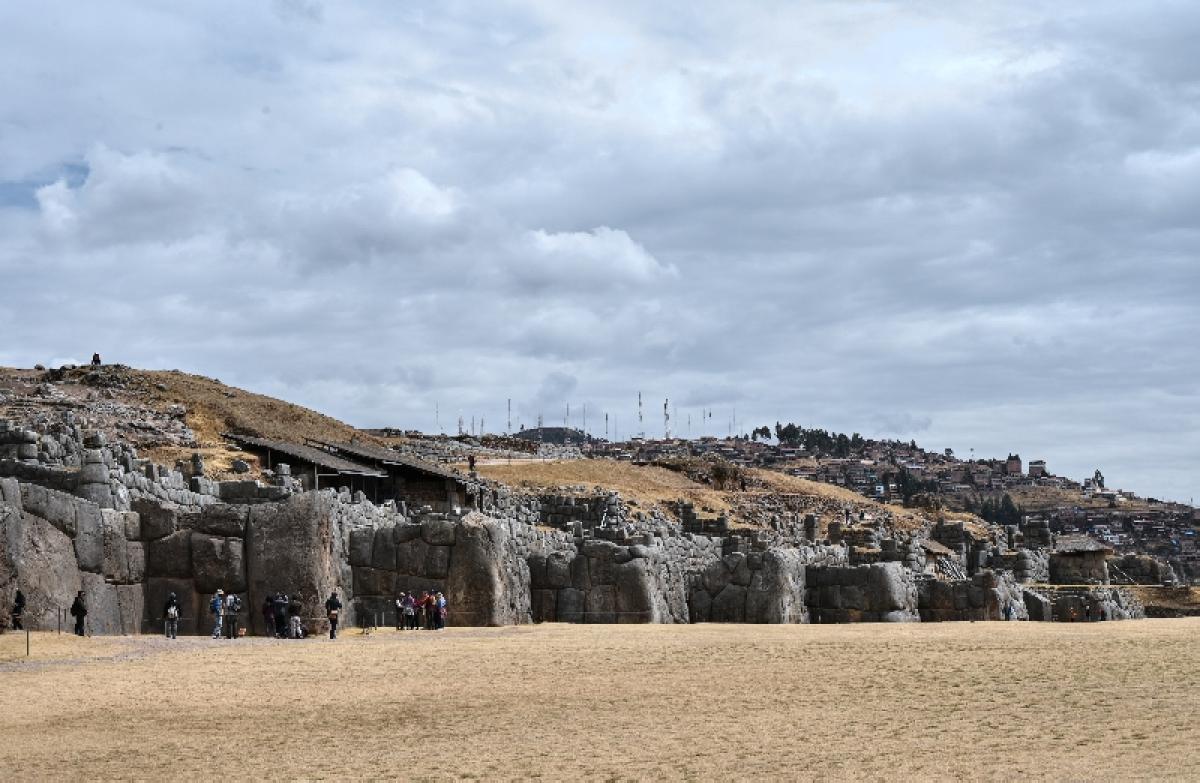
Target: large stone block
(135, 552)
(158, 519)
(89, 538)
(570, 605)
(437, 562)
(170, 556)
(220, 519)
(486, 584)
(116, 555)
(374, 581)
(406, 532)
(193, 608)
(558, 569)
(411, 557)
(634, 593)
(104, 609)
(218, 563)
(699, 606)
(438, 531)
(362, 540)
(383, 549)
(10, 493)
(730, 605)
(544, 605)
(41, 559)
(601, 604)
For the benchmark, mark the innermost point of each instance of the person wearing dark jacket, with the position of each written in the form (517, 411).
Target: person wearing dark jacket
(280, 605)
(333, 608)
(295, 627)
(171, 614)
(79, 612)
(268, 613)
(18, 611)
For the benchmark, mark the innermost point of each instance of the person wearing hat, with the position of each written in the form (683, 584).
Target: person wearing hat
(171, 617)
(217, 607)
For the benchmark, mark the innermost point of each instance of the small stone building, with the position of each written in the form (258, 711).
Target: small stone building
(1079, 560)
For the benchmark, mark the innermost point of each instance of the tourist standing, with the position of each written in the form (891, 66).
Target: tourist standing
(430, 611)
(18, 611)
(332, 609)
(409, 604)
(399, 603)
(440, 612)
(279, 608)
(79, 612)
(294, 628)
(171, 617)
(233, 605)
(216, 608)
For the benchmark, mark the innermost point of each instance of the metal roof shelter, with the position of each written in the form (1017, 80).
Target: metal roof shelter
(390, 457)
(307, 455)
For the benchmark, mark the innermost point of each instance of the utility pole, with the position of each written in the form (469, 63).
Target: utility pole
(585, 421)
(666, 420)
(508, 429)
(641, 427)
(606, 426)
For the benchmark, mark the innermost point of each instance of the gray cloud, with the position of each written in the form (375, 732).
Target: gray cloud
(973, 226)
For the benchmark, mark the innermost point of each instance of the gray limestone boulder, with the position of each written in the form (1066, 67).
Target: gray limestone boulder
(437, 562)
(170, 556)
(570, 605)
(219, 519)
(374, 581)
(362, 541)
(89, 538)
(158, 519)
(115, 547)
(558, 569)
(218, 563)
(411, 557)
(438, 531)
(487, 583)
(383, 549)
(41, 558)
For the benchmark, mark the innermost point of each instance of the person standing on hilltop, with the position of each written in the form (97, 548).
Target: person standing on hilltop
(79, 612)
(95, 360)
(332, 608)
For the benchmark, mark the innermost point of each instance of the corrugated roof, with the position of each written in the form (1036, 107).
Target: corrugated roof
(1069, 544)
(308, 454)
(934, 548)
(370, 451)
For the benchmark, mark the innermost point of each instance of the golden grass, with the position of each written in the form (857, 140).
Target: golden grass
(646, 484)
(710, 702)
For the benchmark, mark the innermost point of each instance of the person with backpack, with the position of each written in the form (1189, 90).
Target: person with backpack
(217, 608)
(430, 601)
(333, 608)
(171, 617)
(233, 605)
(79, 612)
(18, 611)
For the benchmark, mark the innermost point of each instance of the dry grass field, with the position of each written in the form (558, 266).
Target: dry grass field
(955, 700)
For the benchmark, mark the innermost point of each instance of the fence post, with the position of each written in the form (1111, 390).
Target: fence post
(26, 642)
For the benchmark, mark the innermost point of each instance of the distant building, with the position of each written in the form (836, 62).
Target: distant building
(1037, 468)
(1012, 465)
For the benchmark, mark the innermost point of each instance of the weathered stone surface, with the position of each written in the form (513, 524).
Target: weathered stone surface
(89, 538)
(570, 605)
(405, 532)
(220, 519)
(374, 581)
(716, 576)
(699, 606)
(558, 569)
(296, 546)
(383, 550)
(132, 524)
(131, 607)
(41, 558)
(158, 519)
(217, 563)
(135, 552)
(437, 562)
(104, 609)
(1037, 606)
(116, 555)
(362, 541)
(739, 568)
(537, 574)
(634, 593)
(170, 556)
(730, 605)
(484, 586)
(438, 531)
(411, 557)
(601, 604)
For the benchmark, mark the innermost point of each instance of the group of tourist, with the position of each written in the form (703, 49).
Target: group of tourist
(426, 611)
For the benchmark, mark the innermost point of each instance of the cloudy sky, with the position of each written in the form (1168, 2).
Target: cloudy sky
(975, 225)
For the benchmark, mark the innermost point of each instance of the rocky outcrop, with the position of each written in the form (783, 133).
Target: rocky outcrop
(988, 595)
(879, 592)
